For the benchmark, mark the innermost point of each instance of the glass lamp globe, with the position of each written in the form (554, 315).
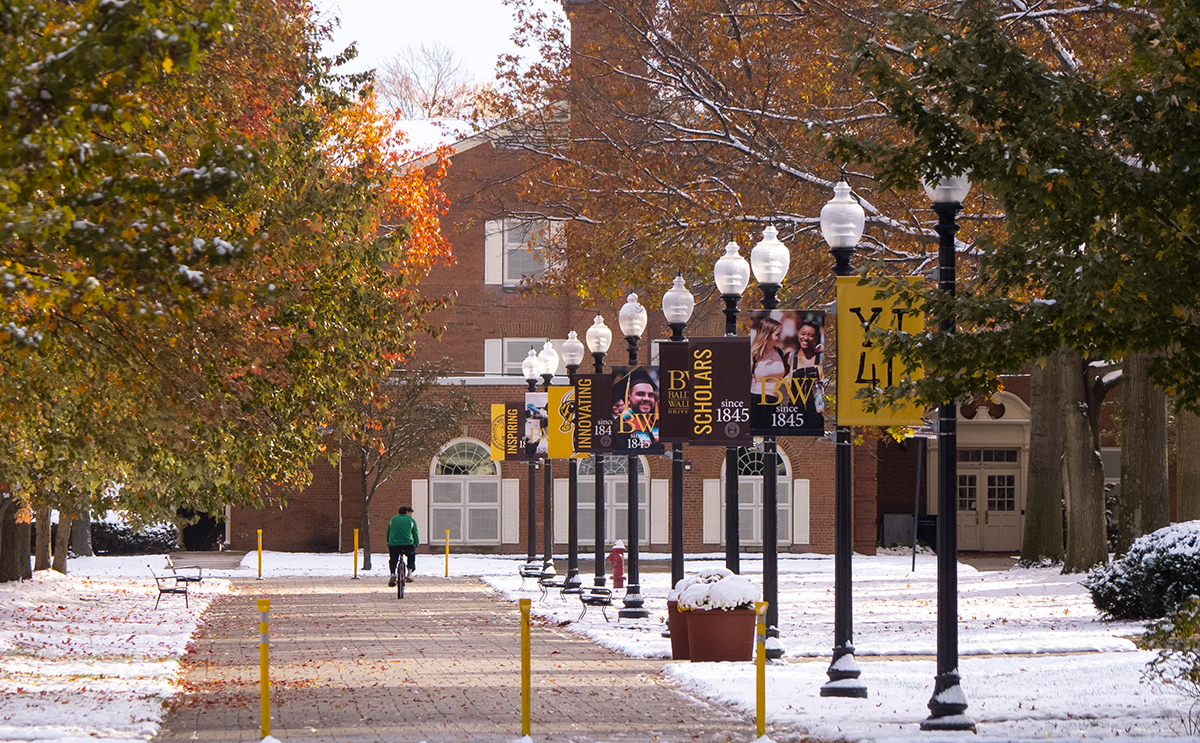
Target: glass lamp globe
(548, 359)
(770, 258)
(599, 337)
(732, 271)
(678, 302)
(842, 218)
(531, 367)
(950, 190)
(632, 317)
(572, 350)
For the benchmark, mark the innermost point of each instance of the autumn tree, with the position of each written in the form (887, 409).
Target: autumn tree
(399, 425)
(210, 249)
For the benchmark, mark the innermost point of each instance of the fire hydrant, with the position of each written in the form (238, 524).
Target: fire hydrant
(617, 558)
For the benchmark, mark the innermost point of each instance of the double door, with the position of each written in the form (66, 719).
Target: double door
(989, 500)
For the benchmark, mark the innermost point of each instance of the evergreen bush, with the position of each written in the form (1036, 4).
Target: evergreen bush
(1177, 664)
(119, 539)
(1153, 579)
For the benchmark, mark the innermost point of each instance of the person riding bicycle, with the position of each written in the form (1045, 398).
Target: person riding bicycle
(402, 538)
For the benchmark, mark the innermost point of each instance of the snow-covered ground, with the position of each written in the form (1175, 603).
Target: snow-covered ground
(86, 657)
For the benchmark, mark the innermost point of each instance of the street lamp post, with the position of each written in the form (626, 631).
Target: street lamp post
(531, 369)
(548, 361)
(632, 319)
(677, 304)
(732, 275)
(769, 259)
(842, 222)
(572, 351)
(948, 704)
(599, 338)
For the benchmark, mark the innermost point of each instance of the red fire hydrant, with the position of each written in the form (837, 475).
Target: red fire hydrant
(617, 558)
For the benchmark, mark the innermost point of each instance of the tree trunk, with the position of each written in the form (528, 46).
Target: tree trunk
(24, 540)
(1083, 475)
(365, 536)
(1187, 466)
(1145, 497)
(41, 552)
(62, 540)
(1044, 494)
(9, 567)
(81, 532)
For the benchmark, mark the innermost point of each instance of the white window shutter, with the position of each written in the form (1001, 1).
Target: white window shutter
(712, 511)
(493, 356)
(800, 500)
(510, 511)
(493, 252)
(561, 498)
(420, 506)
(660, 518)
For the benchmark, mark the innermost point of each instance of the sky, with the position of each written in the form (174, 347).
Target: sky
(1036, 660)
(477, 30)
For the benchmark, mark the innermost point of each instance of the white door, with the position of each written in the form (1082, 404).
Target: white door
(989, 514)
(969, 536)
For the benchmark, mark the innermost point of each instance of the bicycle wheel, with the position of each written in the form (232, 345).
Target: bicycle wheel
(401, 578)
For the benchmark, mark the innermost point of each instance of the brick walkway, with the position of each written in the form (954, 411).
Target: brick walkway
(351, 664)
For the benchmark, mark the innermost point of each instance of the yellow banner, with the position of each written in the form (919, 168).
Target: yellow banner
(860, 362)
(497, 432)
(561, 408)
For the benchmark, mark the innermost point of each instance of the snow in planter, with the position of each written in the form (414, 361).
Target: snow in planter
(716, 588)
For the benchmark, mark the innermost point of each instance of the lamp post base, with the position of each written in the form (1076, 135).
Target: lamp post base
(947, 706)
(774, 647)
(633, 605)
(843, 675)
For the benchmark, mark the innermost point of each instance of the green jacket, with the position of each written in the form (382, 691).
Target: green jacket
(402, 530)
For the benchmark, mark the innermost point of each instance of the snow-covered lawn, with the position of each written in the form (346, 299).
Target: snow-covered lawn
(85, 656)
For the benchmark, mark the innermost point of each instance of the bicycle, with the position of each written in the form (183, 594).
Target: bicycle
(401, 576)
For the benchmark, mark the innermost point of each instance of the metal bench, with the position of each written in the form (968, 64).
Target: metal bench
(595, 596)
(530, 570)
(183, 574)
(170, 585)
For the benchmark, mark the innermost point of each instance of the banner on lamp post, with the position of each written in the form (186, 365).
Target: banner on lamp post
(507, 432)
(861, 364)
(561, 431)
(635, 411)
(537, 425)
(675, 402)
(718, 377)
(787, 382)
(593, 413)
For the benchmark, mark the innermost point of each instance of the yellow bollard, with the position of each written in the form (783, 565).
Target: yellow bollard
(760, 660)
(260, 554)
(447, 553)
(355, 555)
(264, 683)
(525, 603)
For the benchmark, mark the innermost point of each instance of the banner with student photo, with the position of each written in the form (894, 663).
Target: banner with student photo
(787, 382)
(537, 424)
(593, 413)
(861, 363)
(635, 411)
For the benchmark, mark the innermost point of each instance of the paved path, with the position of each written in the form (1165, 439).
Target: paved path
(351, 664)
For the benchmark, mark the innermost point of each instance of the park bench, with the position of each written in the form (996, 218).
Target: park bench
(530, 570)
(170, 585)
(595, 596)
(183, 574)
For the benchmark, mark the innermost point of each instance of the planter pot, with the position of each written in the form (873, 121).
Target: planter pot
(677, 624)
(719, 634)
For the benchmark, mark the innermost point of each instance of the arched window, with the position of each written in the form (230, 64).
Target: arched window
(751, 465)
(616, 501)
(464, 494)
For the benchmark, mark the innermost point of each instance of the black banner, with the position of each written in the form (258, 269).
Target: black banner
(593, 413)
(675, 405)
(719, 385)
(787, 385)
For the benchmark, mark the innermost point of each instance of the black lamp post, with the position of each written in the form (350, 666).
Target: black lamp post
(599, 338)
(732, 275)
(531, 369)
(677, 304)
(769, 259)
(632, 319)
(948, 703)
(572, 352)
(842, 221)
(548, 361)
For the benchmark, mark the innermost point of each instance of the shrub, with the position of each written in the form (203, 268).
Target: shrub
(1153, 579)
(1177, 639)
(119, 539)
